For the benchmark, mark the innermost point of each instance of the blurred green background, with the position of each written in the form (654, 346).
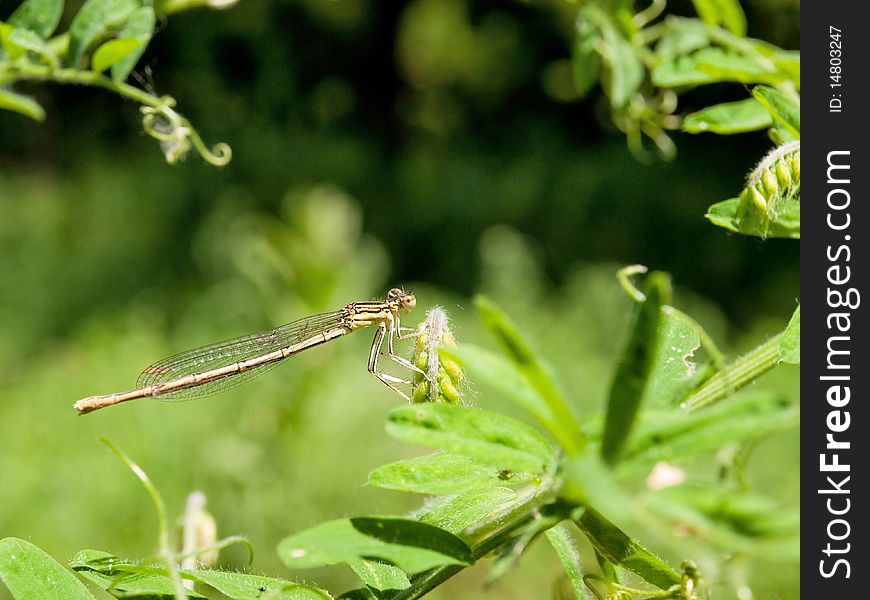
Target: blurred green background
(433, 144)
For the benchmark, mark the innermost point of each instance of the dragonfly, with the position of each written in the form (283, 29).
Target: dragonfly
(216, 367)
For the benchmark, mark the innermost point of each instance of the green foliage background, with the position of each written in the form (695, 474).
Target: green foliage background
(433, 144)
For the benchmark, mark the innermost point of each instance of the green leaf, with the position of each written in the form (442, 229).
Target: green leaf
(359, 594)
(504, 376)
(39, 16)
(724, 214)
(682, 71)
(681, 37)
(112, 51)
(246, 586)
(723, 65)
(740, 521)
(562, 424)
(614, 545)
(674, 436)
(408, 544)
(584, 59)
(28, 40)
(441, 473)
(790, 342)
(634, 368)
(673, 373)
(25, 105)
(789, 62)
(722, 12)
(125, 579)
(710, 65)
(786, 223)
(625, 67)
(566, 549)
(95, 21)
(31, 574)
(486, 437)
(131, 580)
(13, 50)
(140, 25)
(460, 512)
(379, 575)
(729, 117)
(783, 109)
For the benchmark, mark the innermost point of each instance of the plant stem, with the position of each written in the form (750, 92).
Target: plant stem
(742, 371)
(48, 73)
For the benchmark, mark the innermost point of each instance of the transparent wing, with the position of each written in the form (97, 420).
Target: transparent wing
(228, 352)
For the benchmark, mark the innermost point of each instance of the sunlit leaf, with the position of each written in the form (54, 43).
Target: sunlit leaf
(710, 65)
(673, 373)
(441, 473)
(28, 40)
(25, 105)
(566, 549)
(111, 52)
(682, 36)
(617, 547)
(782, 108)
(133, 580)
(140, 25)
(789, 62)
(488, 438)
(729, 117)
(561, 422)
(408, 544)
(247, 586)
(786, 224)
(634, 367)
(379, 575)
(39, 16)
(30, 573)
(727, 13)
(790, 342)
(95, 21)
(503, 375)
(678, 435)
(625, 70)
(739, 521)
(125, 579)
(460, 512)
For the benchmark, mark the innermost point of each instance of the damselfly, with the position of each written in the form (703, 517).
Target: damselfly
(212, 368)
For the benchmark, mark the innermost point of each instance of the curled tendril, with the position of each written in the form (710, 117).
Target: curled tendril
(177, 136)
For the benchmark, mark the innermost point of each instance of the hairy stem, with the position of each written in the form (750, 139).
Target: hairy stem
(742, 371)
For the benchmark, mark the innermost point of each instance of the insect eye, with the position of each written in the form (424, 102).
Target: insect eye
(395, 293)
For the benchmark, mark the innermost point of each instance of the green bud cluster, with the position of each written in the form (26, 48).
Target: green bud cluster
(776, 180)
(443, 377)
